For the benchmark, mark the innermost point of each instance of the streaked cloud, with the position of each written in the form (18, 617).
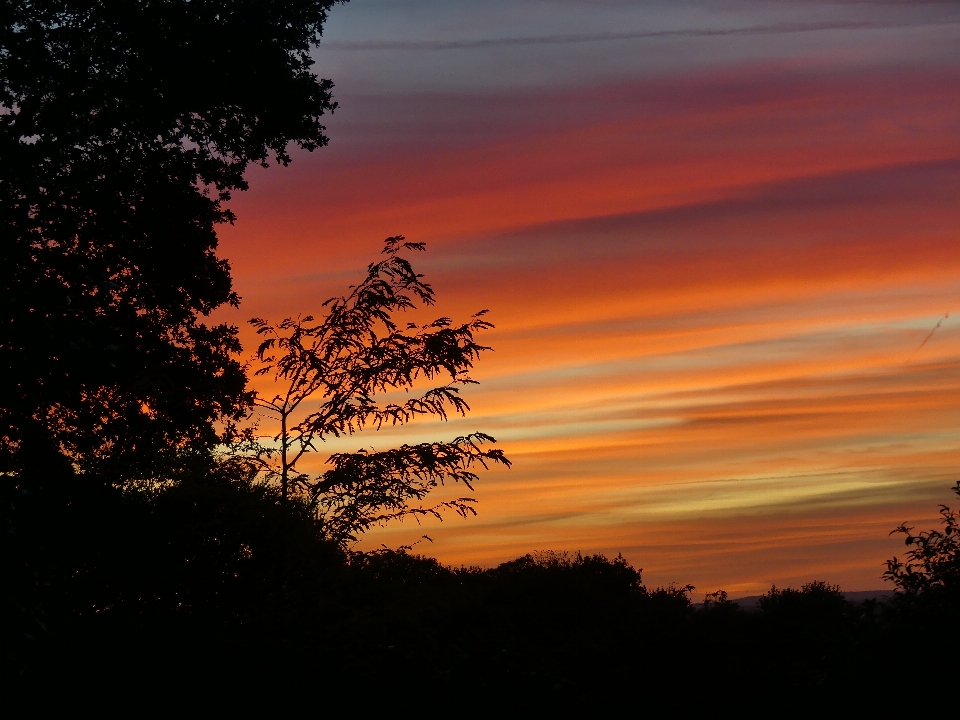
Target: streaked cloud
(575, 38)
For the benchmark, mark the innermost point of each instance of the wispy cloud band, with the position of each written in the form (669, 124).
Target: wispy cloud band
(577, 38)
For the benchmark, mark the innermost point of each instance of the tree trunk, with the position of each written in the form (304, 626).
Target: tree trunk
(283, 458)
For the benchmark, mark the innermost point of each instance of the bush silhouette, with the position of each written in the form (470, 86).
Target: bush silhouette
(816, 612)
(927, 598)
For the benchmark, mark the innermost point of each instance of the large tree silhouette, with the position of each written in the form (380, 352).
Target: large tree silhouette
(124, 127)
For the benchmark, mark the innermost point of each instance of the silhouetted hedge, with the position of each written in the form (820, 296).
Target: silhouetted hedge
(210, 592)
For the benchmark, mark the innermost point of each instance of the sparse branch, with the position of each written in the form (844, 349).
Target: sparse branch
(367, 488)
(344, 362)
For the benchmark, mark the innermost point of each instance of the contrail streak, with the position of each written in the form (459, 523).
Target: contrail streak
(572, 38)
(935, 328)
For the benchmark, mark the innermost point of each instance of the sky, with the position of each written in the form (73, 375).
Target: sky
(720, 242)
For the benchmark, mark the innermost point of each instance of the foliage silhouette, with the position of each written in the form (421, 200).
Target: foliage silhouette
(225, 578)
(124, 128)
(817, 611)
(927, 598)
(345, 363)
(933, 562)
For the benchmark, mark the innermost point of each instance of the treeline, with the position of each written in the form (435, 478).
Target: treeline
(213, 593)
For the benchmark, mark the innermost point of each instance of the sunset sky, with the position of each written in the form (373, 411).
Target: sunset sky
(720, 242)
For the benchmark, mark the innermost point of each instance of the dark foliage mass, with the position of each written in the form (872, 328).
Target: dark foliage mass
(928, 580)
(218, 592)
(124, 127)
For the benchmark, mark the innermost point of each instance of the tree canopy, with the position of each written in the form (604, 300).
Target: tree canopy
(125, 125)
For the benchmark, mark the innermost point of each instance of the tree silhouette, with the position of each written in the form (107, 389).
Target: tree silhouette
(817, 611)
(124, 128)
(347, 361)
(933, 562)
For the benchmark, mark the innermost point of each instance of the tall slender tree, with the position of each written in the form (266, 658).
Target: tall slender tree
(331, 376)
